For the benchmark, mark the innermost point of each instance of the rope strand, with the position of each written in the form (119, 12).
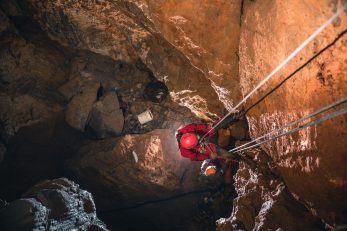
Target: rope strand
(292, 55)
(308, 124)
(336, 103)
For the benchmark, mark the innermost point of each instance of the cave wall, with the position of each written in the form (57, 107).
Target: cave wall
(207, 34)
(194, 47)
(168, 42)
(264, 201)
(312, 161)
(49, 94)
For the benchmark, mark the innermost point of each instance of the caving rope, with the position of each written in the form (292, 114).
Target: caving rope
(291, 56)
(266, 138)
(268, 77)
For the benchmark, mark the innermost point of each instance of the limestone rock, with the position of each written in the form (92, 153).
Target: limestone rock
(134, 168)
(24, 214)
(52, 205)
(194, 65)
(72, 87)
(78, 109)
(261, 198)
(22, 111)
(314, 157)
(210, 45)
(30, 68)
(106, 118)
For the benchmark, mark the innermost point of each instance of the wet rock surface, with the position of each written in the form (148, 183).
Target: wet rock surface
(52, 205)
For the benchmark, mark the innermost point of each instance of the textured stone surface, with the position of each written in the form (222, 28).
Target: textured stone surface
(22, 111)
(106, 118)
(265, 203)
(81, 104)
(110, 168)
(142, 177)
(208, 34)
(29, 76)
(24, 214)
(193, 47)
(314, 157)
(52, 205)
(34, 68)
(128, 31)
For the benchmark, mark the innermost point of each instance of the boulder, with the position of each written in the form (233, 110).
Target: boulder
(106, 117)
(24, 214)
(78, 109)
(135, 168)
(57, 204)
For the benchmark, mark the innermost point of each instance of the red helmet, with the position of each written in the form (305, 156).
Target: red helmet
(189, 140)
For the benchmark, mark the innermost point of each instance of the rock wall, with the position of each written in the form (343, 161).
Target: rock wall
(30, 75)
(208, 55)
(208, 34)
(312, 162)
(264, 201)
(195, 65)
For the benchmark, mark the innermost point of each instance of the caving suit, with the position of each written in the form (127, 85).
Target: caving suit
(201, 151)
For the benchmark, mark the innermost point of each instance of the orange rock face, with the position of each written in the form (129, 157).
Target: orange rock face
(312, 161)
(265, 203)
(208, 34)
